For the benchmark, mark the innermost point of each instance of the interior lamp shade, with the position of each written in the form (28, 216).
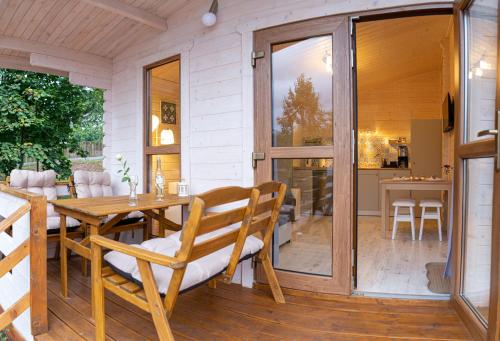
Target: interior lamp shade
(155, 122)
(167, 136)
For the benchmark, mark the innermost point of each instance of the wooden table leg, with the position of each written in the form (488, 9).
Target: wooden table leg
(161, 224)
(94, 230)
(64, 256)
(385, 203)
(147, 229)
(84, 260)
(447, 216)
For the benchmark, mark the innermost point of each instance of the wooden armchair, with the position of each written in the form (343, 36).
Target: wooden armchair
(214, 242)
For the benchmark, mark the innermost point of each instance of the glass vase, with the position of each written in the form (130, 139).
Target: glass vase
(132, 198)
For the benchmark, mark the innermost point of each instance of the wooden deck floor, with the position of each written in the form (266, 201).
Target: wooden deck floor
(232, 312)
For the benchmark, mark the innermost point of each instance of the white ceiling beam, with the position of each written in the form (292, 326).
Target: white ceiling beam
(131, 12)
(23, 63)
(68, 65)
(90, 81)
(30, 46)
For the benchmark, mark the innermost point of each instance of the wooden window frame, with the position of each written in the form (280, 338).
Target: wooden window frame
(149, 150)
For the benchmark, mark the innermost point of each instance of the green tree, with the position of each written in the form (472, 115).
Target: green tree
(301, 107)
(41, 117)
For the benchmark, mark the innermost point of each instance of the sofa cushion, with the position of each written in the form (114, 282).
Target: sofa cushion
(197, 272)
(92, 184)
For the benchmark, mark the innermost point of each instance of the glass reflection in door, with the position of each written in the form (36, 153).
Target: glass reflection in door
(303, 237)
(477, 229)
(302, 93)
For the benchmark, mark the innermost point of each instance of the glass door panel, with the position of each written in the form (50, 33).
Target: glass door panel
(481, 24)
(303, 237)
(477, 227)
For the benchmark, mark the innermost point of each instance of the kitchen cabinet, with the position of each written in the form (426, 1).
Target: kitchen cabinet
(369, 195)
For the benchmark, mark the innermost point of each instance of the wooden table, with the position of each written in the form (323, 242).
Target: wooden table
(412, 185)
(92, 211)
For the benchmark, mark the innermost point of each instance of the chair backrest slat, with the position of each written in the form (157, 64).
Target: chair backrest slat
(214, 244)
(246, 198)
(225, 195)
(265, 206)
(259, 225)
(217, 220)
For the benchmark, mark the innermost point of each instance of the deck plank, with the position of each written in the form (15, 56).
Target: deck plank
(231, 311)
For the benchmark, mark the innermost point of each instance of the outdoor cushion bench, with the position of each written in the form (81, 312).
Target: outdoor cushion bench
(209, 245)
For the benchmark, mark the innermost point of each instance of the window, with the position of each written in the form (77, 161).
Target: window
(162, 121)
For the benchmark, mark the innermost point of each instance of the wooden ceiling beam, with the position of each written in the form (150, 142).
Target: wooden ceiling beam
(30, 46)
(131, 12)
(23, 64)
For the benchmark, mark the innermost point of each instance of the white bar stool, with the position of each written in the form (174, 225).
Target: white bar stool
(399, 217)
(435, 215)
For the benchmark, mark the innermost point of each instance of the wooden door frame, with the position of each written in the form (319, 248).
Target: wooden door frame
(385, 14)
(467, 151)
(338, 27)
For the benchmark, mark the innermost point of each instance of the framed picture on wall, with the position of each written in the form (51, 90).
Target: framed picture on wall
(168, 113)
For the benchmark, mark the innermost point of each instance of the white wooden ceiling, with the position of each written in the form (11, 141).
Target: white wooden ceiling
(77, 38)
(81, 25)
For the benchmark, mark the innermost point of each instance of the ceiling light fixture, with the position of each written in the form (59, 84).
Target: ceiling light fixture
(210, 18)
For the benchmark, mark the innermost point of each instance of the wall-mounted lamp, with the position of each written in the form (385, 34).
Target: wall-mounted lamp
(210, 18)
(167, 137)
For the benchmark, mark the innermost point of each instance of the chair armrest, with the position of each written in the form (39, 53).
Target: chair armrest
(136, 252)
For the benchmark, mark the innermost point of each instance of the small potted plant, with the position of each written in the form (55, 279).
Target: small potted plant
(131, 180)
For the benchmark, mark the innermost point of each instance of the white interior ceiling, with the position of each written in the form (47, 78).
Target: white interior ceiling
(392, 49)
(399, 70)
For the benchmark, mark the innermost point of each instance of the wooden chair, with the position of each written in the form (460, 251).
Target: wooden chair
(204, 238)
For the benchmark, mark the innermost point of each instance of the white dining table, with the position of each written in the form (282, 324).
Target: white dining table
(397, 184)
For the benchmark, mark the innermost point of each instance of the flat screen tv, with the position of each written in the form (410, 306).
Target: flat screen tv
(448, 113)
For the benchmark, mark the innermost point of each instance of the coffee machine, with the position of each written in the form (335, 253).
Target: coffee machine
(403, 156)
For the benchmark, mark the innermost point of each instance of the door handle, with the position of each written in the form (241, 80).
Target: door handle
(493, 132)
(487, 132)
(257, 157)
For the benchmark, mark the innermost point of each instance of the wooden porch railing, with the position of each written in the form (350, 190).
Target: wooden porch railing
(23, 267)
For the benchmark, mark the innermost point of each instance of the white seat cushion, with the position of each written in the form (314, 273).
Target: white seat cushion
(54, 223)
(404, 203)
(92, 184)
(430, 203)
(197, 271)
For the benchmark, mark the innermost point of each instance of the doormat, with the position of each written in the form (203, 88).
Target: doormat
(437, 283)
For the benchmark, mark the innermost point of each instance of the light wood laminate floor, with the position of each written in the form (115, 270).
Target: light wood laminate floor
(384, 265)
(396, 266)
